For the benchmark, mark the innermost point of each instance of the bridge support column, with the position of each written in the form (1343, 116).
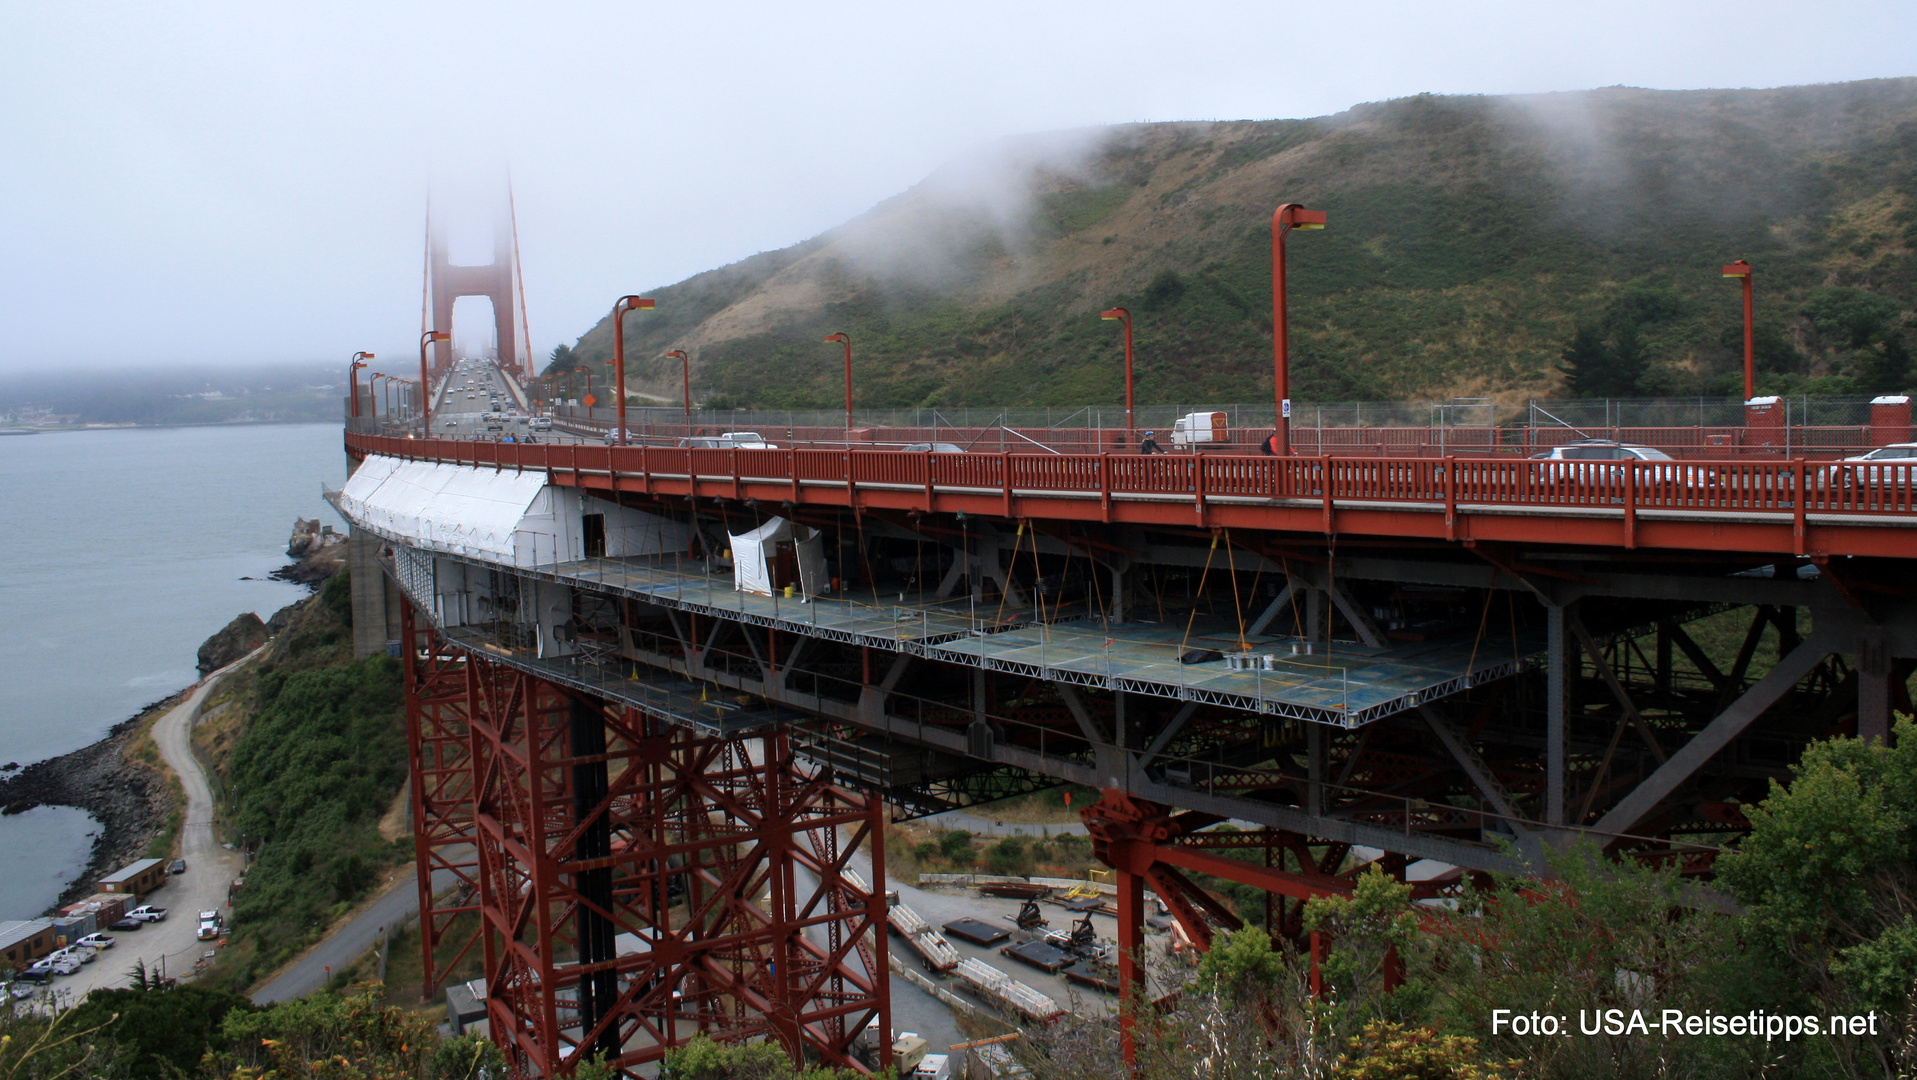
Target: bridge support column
(1557, 693)
(1874, 670)
(368, 594)
(642, 883)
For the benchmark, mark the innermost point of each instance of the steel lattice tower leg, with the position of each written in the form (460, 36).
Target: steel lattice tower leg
(440, 774)
(642, 883)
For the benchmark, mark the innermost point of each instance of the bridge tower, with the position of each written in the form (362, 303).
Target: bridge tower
(498, 281)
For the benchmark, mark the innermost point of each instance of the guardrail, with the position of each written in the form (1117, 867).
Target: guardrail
(1795, 487)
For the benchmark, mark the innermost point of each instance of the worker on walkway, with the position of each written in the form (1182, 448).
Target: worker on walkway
(1150, 445)
(1271, 446)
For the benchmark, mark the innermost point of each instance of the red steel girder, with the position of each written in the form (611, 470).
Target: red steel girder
(642, 884)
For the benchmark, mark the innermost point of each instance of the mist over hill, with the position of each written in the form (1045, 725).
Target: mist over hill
(1472, 243)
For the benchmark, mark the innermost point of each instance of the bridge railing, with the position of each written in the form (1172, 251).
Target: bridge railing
(1743, 486)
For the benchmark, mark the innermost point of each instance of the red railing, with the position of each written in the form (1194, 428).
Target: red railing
(1737, 486)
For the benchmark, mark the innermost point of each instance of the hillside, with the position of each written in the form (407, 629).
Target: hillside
(1470, 239)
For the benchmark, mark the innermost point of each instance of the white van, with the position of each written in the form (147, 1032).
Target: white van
(1201, 429)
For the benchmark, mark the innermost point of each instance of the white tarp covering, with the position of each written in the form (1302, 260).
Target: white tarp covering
(451, 508)
(496, 515)
(753, 554)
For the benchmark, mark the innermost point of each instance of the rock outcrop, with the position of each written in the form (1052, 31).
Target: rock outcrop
(239, 637)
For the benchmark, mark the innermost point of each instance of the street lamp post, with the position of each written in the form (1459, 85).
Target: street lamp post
(372, 391)
(1284, 219)
(845, 340)
(625, 304)
(1124, 317)
(425, 404)
(685, 379)
(352, 375)
(1742, 269)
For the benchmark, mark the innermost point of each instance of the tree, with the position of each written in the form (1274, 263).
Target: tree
(1866, 327)
(1828, 876)
(563, 359)
(356, 1037)
(160, 1030)
(1242, 966)
(956, 847)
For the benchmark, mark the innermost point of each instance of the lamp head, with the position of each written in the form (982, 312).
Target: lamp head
(1115, 313)
(436, 335)
(635, 303)
(1738, 269)
(837, 337)
(676, 353)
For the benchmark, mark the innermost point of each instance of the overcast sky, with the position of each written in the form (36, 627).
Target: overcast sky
(194, 182)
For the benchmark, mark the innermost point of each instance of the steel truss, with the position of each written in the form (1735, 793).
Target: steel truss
(642, 883)
(440, 774)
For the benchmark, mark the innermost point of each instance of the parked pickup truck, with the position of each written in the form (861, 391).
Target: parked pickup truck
(147, 913)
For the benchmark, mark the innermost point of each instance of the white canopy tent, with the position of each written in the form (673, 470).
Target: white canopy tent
(754, 553)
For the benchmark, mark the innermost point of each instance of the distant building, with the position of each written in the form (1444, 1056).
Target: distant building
(137, 878)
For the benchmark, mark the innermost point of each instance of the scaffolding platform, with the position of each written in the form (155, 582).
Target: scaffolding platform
(1340, 683)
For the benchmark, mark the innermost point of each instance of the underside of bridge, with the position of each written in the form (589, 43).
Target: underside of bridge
(647, 756)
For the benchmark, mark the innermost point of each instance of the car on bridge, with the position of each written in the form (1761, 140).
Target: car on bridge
(1865, 468)
(932, 448)
(731, 440)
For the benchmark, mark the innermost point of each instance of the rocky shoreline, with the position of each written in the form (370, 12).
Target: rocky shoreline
(125, 796)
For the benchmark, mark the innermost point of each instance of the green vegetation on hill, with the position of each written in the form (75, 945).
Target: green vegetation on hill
(319, 756)
(1516, 246)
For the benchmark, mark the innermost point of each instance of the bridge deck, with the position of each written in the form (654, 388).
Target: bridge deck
(1770, 507)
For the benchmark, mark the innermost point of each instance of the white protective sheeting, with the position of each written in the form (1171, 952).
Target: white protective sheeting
(753, 554)
(451, 508)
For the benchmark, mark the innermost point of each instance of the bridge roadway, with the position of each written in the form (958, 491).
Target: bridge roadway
(1732, 506)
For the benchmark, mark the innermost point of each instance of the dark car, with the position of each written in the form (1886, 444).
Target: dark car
(178, 867)
(127, 924)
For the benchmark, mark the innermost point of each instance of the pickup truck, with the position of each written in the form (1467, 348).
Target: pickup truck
(147, 913)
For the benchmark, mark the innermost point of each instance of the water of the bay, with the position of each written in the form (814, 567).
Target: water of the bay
(120, 552)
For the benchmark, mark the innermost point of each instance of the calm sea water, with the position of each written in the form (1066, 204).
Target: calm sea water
(120, 552)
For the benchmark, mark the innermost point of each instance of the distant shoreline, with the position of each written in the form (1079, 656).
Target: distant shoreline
(150, 427)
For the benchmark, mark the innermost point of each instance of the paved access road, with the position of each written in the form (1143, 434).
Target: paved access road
(396, 905)
(210, 868)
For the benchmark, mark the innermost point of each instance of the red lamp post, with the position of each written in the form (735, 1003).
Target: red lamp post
(625, 304)
(372, 389)
(843, 339)
(352, 376)
(1125, 318)
(1742, 269)
(425, 403)
(685, 377)
(1284, 219)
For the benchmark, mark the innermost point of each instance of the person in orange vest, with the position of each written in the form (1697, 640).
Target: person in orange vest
(1271, 446)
